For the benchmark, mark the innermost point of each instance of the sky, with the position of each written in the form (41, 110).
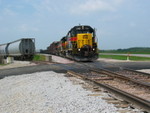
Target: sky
(118, 23)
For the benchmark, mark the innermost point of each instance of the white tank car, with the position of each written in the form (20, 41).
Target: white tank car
(3, 49)
(22, 49)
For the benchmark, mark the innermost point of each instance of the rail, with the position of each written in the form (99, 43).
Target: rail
(113, 74)
(144, 104)
(138, 72)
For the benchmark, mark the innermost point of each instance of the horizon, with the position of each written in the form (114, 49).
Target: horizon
(125, 48)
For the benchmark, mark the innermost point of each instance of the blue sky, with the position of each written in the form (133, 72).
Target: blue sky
(118, 23)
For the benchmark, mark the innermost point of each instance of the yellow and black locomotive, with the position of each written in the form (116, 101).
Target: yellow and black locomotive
(79, 44)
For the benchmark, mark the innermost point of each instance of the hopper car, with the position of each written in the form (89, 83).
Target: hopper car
(22, 49)
(79, 44)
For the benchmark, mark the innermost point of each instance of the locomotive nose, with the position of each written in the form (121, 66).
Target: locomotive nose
(27, 51)
(86, 48)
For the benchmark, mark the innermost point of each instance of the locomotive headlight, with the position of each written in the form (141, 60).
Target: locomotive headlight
(93, 49)
(78, 49)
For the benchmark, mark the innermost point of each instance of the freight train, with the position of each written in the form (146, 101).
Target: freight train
(23, 49)
(79, 44)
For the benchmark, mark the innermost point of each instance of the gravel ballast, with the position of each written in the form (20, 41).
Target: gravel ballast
(48, 92)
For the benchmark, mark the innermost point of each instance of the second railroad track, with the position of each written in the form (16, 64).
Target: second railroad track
(132, 90)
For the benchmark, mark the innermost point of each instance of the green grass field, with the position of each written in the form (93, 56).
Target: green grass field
(133, 50)
(121, 57)
(2, 64)
(39, 58)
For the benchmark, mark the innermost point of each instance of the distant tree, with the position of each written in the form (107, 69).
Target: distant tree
(137, 50)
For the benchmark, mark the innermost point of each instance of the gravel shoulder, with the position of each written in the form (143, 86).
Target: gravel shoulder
(145, 70)
(48, 92)
(59, 59)
(17, 64)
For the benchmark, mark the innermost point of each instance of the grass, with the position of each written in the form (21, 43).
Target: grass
(133, 50)
(36, 58)
(39, 58)
(121, 57)
(117, 52)
(2, 64)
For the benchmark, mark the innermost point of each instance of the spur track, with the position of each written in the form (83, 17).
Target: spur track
(142, 80)
(141, 77)
(120, 85)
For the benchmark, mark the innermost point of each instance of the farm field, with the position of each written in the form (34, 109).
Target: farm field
(133, 54)
(125, 57)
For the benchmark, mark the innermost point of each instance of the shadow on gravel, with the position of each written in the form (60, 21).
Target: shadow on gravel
(30, 69)
(77, 67)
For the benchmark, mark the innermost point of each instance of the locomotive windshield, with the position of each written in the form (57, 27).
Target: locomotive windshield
(83, 31)
(80, 29)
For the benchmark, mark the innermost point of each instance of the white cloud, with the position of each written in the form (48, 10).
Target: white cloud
(132, 24)
(25, 28)
(44, 5)
(50, 6)
(109, 18)
(9, 12)
(118, 2)
(1, 18)
(96, 5)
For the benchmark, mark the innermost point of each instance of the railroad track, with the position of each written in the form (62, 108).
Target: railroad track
(143, 78)
(119, 85)
(139, 78)
(129, 75)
